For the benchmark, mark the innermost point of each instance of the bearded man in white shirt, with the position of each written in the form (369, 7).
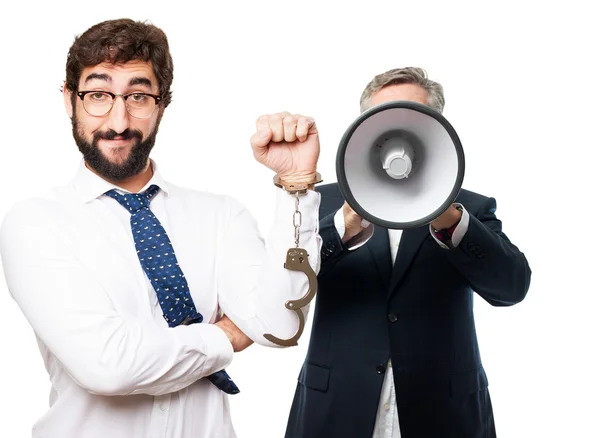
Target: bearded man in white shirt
(127, 355)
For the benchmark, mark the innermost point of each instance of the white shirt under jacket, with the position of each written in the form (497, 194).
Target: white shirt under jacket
(116, 369)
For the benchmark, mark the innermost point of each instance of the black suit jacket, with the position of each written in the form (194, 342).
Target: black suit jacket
(419, 313)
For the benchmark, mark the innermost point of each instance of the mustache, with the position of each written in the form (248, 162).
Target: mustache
(111, 135)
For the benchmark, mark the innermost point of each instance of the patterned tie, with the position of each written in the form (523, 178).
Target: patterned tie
(158, 260)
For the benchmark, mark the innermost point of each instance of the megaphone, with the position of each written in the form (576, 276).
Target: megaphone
(400, 165)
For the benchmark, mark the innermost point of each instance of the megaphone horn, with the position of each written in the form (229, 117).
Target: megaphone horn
(400, 165)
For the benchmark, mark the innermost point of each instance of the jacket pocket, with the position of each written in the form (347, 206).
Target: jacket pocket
(314, 377)
(468, 382)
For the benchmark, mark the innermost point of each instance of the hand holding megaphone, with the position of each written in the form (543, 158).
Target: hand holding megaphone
(353, 223)
(447, 219)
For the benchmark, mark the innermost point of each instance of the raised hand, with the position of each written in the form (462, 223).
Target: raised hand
(288, 144)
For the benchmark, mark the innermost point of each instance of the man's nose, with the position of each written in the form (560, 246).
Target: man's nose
(118, 118)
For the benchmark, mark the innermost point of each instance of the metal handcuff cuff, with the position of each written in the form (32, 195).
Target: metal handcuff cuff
(297, 260)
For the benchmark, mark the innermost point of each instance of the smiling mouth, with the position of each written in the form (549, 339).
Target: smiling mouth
(117, 142)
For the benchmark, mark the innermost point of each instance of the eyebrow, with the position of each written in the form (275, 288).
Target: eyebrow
(99, 76)
(140, 80)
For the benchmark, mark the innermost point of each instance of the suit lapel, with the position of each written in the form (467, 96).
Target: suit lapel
(379, 247)
(410, 243)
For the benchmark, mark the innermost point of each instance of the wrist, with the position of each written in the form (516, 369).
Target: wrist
(297, 181)
(226, 331)
(448, 219)
(298, 177)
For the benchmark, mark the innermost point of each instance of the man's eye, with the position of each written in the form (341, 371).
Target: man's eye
(138, 98)
(99, 97)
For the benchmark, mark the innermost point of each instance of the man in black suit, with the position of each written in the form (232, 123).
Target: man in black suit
(393, 349)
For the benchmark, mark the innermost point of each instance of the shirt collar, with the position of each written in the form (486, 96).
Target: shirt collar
(90, 186)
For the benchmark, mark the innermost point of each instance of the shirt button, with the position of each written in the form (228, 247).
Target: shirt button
(392, 317)
(380, 369)
(387, 407)
(163, 407)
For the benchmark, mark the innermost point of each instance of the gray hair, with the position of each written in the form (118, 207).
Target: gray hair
(406, 75)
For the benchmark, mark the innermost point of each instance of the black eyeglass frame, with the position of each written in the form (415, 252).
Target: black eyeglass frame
(157, 100)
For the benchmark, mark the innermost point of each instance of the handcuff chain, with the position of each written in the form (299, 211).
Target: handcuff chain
(297, 220)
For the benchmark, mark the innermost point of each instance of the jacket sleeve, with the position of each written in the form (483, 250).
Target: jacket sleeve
(333, 250)
(494, 267)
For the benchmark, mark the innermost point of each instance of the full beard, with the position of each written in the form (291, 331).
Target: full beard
(134, 163)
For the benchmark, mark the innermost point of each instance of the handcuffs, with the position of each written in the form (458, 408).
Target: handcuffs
(297, 260)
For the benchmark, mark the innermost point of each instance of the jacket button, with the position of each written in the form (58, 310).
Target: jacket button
(392, 317)
(474, 249)
(380, 369)
(328, 250)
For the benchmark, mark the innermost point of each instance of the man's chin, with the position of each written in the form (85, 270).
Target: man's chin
(113, 164)
(115, 155)
(112, 170)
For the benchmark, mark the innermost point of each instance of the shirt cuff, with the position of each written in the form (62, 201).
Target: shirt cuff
(217, 347)
(357, 241)
(459, 231)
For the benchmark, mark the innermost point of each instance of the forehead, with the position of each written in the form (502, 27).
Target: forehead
(119, 75)
(411, 92)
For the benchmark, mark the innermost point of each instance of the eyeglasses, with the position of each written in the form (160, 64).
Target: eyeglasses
(99, 103)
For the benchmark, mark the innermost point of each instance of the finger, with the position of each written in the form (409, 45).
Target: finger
(350, 215)
(306, 126)
(348, 209)
(260, 140)
(276, 125)
(262, 124)
(262, 136)
(289, 128)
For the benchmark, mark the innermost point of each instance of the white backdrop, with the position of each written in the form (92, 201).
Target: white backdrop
(522, 93)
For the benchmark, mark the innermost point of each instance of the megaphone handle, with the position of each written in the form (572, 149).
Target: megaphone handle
(297, 260)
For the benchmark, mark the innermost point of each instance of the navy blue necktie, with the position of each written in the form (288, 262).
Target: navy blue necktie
(158, 260)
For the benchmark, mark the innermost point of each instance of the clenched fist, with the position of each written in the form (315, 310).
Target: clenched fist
(288, 144)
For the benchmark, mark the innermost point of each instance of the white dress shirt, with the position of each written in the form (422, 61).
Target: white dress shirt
(116, 369)
(386, 423)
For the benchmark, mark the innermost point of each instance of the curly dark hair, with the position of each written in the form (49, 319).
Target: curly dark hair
(120, 41)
